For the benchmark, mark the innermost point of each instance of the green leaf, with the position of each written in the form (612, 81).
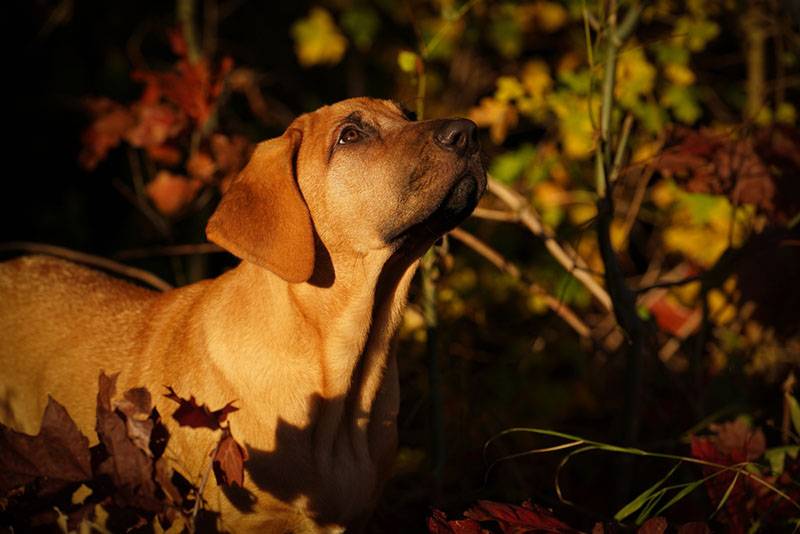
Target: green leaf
(683, 103)
(777, 457)
(407, 61)
(639, 501)
(505, 32)
(671, 53)
(362, 25)
(509, 167)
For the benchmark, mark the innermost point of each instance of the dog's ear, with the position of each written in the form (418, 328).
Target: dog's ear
(262, 217)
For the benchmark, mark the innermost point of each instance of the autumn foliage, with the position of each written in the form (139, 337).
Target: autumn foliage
(629, 278)
(124, 481)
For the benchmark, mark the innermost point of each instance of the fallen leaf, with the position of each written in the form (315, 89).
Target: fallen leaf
(128, 467)
(194, 415)
(439, 524)
(55, 457)
(512, 518)
(229, 461)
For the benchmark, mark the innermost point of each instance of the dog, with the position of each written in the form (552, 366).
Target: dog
(330, 220)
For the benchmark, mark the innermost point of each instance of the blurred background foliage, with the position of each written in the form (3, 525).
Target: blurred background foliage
(129, 118)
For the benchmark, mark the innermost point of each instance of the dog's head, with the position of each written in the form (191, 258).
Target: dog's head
(360, 174)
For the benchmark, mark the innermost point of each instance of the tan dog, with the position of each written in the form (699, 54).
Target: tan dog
(329, 220)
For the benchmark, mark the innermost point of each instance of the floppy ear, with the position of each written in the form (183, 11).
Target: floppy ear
(262, 217)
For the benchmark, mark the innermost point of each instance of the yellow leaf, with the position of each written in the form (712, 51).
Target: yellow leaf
(645, 152)
(508, 88)
(496, 115)
(664, 194)
(618, 236)
(536, 78)
(635, 76)
(550, 16)
(317, 39)
(574, 123)
(786, 113)
(537, 304)
(580, 214)
(679, 74)
(407, 61)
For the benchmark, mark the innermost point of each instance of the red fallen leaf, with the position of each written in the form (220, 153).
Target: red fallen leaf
(194, 415)
(111, 123)
(129, 468)
(654, 525)
(57, 456)
(738, 440)
(439, 524)
(170, 193)
(732, 443)
(229, 461)
(516, 519)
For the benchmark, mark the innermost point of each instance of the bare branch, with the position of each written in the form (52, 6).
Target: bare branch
(499, 261)
(563, 254)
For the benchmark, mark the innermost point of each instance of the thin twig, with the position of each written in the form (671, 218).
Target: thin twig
(499, 261)
(563, 254)
(495, 215)
(636, 202)
(88, 259)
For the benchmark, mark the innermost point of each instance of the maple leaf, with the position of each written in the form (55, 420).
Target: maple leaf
(229, 460)
(517, 519)
(55, 457)
(194, 415)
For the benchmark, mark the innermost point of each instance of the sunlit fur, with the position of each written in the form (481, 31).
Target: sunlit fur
(309, 364)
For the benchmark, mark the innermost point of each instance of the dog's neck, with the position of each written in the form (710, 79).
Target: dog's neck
(343, 341)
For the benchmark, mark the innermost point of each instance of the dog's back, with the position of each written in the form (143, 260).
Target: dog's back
(51, 312)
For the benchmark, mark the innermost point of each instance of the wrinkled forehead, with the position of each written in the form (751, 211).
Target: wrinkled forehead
(377, 113)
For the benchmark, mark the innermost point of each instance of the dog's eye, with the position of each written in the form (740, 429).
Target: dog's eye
(350, 135)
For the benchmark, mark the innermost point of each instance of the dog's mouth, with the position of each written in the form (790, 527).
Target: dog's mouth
(455, 206)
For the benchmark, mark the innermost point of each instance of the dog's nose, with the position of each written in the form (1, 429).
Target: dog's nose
(458, 135)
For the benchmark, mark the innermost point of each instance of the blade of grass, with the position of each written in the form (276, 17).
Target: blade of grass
(643, 497)
(726, 495)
